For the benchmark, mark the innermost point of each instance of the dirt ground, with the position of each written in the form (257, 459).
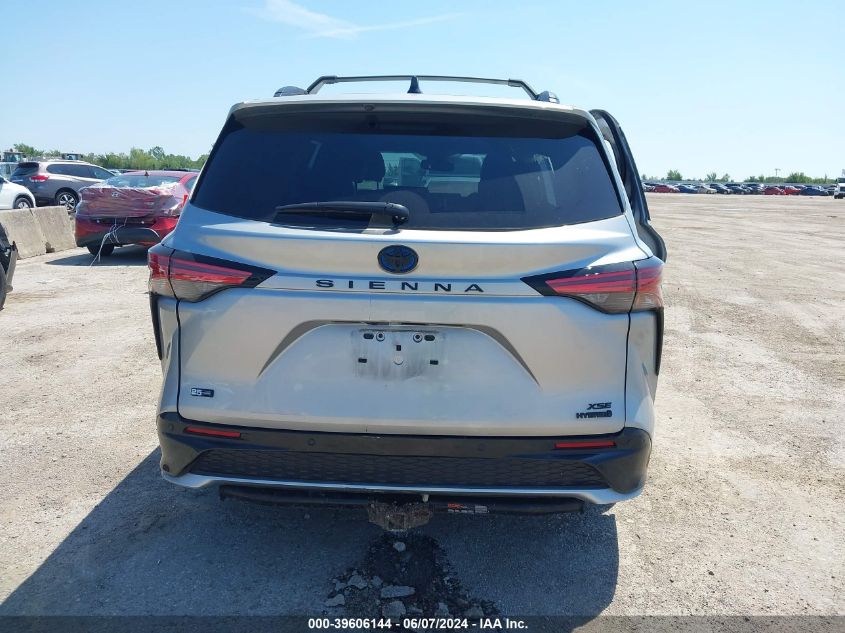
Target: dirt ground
(742, 514)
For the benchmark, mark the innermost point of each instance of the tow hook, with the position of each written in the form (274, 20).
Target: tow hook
(397, 517)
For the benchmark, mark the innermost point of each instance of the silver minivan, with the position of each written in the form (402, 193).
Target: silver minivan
(443, 302)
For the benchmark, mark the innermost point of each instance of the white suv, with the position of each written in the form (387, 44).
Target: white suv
(448, 301)
(14, 196)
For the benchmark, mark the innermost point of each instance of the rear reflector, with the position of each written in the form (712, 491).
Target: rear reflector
(587, 444)
(39, 178)
(614, 288)
(195, 430)
(194, 277)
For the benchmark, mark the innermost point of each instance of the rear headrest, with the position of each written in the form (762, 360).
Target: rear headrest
(370, 166)
(498, 165)
(332, 176)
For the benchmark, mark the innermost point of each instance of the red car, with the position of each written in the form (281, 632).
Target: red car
(774, 191)
(666, 189)
(789, 190)
(138, 207)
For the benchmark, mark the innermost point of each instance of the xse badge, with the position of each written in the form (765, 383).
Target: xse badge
(596, 410)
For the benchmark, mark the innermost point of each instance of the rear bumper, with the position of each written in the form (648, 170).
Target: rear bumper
(90, 231)
(514, 467)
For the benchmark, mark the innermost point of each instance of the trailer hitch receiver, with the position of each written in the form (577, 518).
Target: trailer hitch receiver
(396, 517)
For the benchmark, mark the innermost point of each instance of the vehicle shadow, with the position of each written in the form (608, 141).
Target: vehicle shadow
(134, 255)
(150, 548)
(558, 565)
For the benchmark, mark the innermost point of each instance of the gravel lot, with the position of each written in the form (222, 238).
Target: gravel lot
(743, 512)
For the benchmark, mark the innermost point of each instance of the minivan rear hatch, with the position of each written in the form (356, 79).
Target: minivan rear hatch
(449, 323)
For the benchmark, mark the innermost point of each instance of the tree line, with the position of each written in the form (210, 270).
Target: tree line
(153, 158)
(157, 158)
(794, 177)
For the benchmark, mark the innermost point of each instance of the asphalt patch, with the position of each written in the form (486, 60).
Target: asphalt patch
(395, 565)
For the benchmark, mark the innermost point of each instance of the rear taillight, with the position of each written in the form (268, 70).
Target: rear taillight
(173, 210)
(39, 178)
(159, 264)
(195, 277)
(649, 276)
(614, 288)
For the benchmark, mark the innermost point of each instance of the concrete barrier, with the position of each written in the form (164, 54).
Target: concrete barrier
(22, 228)
(38, 231)
(57, 228)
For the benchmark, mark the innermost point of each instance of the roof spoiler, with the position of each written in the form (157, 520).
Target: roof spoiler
(414, 87)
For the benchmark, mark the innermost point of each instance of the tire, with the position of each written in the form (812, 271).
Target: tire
(2, 286)
(23, 203)
(67, 199)
(105, 251)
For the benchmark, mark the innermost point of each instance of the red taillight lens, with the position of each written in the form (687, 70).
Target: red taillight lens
(649, 275)
(176, 208)
(159, 264)
(610, 291)
(193, 278)
(615, 288)
(39, 178)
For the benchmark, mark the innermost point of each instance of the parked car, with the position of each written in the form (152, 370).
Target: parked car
(771, 190)
(14, 196)
(58, 181)
(813, 191)
(719, 188)
(319, 330)
(7, 169)
(683, 188)
(139, 207)
(647, 187)
(704, 189)
(662, 188)
(790, 190)
(839, 191)
(737, 188)
(8, 259)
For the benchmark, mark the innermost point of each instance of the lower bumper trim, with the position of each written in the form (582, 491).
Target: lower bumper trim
(451, 504)
(591, 495)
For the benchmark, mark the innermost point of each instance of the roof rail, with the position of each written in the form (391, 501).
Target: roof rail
(415, 86)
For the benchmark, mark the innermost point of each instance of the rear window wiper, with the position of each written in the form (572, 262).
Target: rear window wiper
(396, 213)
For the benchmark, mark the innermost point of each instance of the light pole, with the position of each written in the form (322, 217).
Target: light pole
(777, 169)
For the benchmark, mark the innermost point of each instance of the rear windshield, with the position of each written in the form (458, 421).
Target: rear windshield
(25, 169)
(141, 181)
(78, 170)
(451, 172)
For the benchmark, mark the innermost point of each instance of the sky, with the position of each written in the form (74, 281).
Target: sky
(739, 87)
